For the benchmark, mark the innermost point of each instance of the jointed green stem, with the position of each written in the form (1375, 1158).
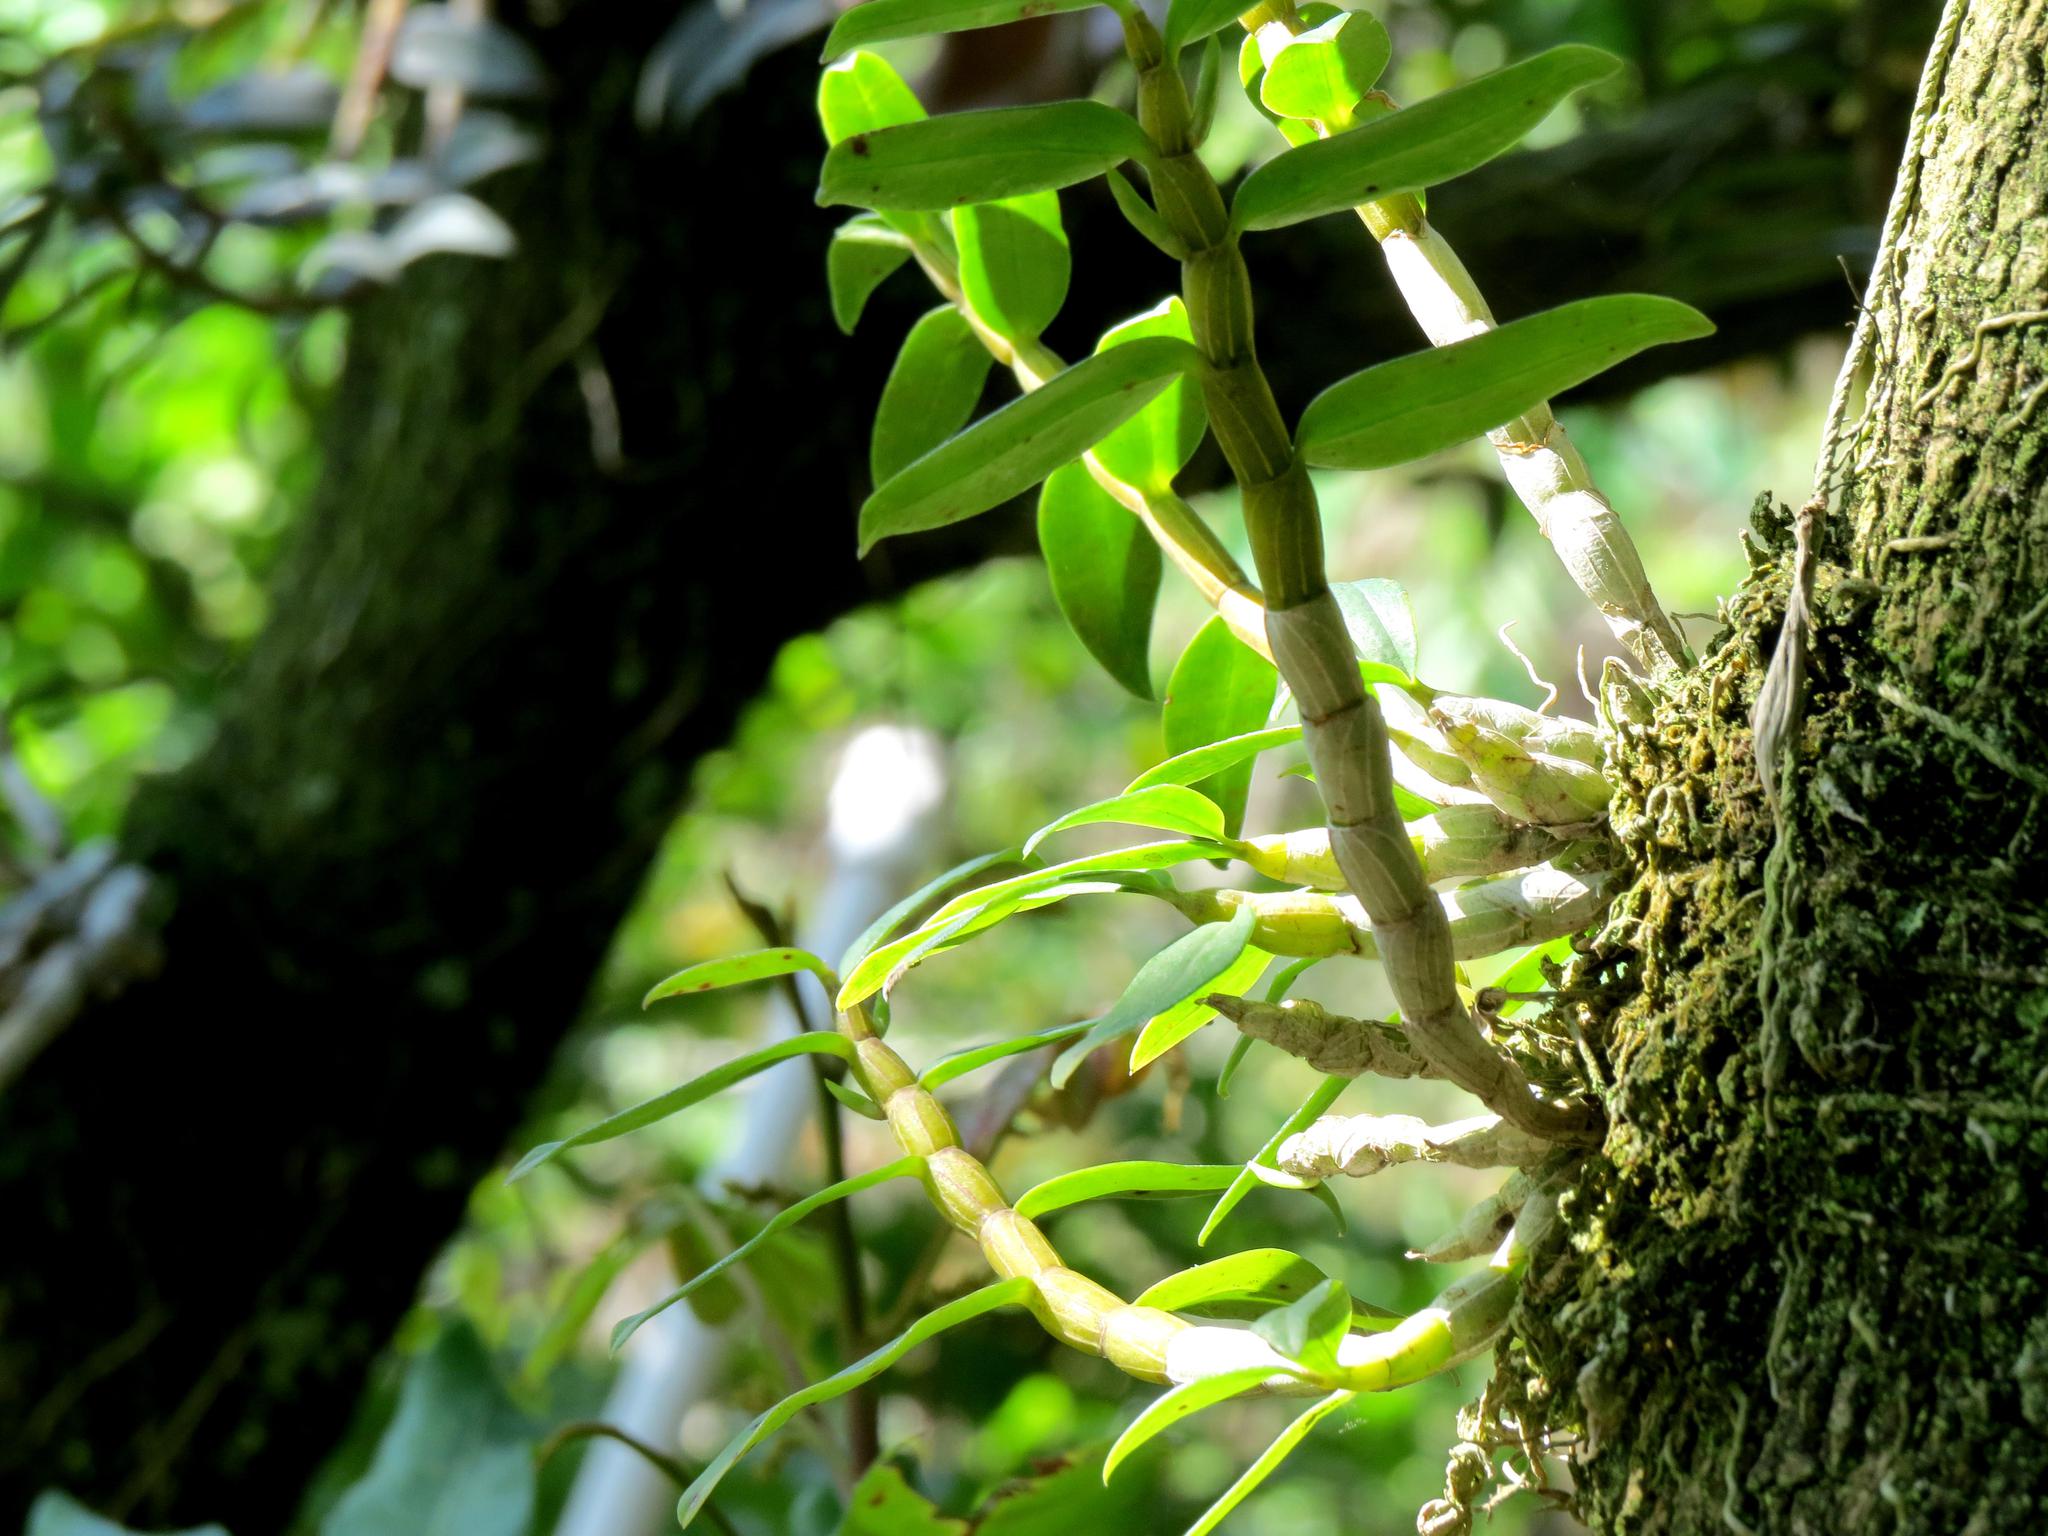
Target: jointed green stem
(1144, 1341)
(1536, 455)
(1343, 729)
(1174, 525)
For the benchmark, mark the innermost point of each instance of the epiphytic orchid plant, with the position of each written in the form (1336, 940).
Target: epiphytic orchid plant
(1456, 827)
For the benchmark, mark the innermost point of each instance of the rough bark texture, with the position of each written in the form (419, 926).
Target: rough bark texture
(1806, 1290)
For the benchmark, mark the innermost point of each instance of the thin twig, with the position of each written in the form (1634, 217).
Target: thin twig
(863, 1425)
(588, 1429)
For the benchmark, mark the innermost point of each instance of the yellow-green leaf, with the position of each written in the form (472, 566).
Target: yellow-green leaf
(1418, 147)
(1427, 401)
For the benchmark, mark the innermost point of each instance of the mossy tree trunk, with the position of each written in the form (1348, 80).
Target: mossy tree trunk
(1808, 1288)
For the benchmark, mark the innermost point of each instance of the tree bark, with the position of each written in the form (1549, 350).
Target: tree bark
(1806, 1289)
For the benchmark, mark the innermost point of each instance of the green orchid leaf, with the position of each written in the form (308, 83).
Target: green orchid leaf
(1014, 263)
(973, 1058)
(1192, 961)
(1418, 147)
(1382, 626)
(936, 163)
(883, 21)
(1189, 21)
(1272, 1456)
(698, 1089)
(884, 1504)
(1220, 688)
(1169, 807)
(854, 1100)
(1324, 73)
(1153, 446)
(1005, 1293)
(1105, 571)
(1011, 450)
(781, 1221)
(897, 915)
(1144, 218)
(989, 904)
(1164, 1031)
(1202, 762)
(931, 392)
(1320, 1098)
(1308, 1329)
(862, 95)
(1124, 1181)
(1243, 1285)
(1427, 401)
(864, 251)
(1182, 1402)
(735, 970)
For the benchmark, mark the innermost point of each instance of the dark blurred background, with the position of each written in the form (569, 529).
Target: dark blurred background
(427, 472)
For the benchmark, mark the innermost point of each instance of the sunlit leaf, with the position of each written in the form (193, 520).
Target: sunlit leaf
(1199, 763)
(698, 1089)
(1014, 263)
(880, 21)
(931, 391)
(854, 1100)
(1189, 962)
(1143, 217)
(1005, 1293)
(1242, 1285)
(1273, 1455)
(1382, 626)
(1324, 72)
(864, 251)
(973, 1058)
(734, 970)
(1105, 570)
(986, 906)
(782, 1220)
(1150, 449)
(863, 94)
(1189, 21)
(1183, 1401)
(1124, 1181)
(1308, 1328)
(1320, 1098)
(1164, 1031)
(1220, 688)
(1012, 449)
(1526, 974)
(890, 920)
(1169, 807)
(1428, 401)
(1418, 147)
(937, 163)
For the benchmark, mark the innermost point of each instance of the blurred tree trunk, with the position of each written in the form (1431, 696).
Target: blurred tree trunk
(573, 504)
(1810, 1290)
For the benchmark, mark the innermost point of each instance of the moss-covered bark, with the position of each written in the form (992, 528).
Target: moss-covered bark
(1807, 1288)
